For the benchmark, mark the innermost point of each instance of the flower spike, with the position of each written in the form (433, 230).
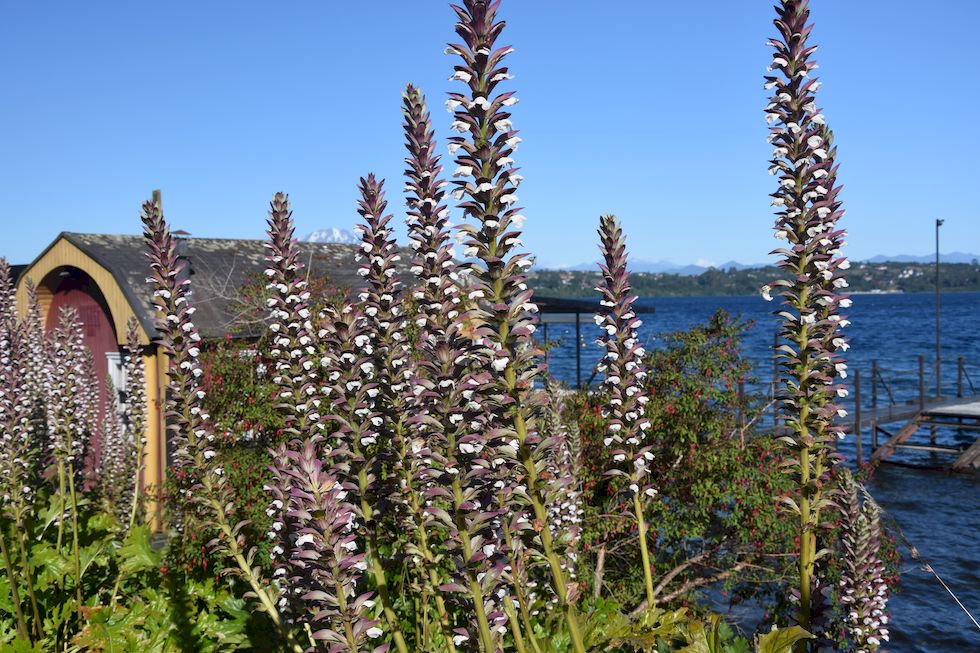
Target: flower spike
(808, 210)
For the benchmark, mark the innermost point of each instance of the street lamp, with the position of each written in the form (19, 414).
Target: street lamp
(939, 369)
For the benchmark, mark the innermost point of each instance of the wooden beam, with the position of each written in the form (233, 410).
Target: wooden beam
(889, 447)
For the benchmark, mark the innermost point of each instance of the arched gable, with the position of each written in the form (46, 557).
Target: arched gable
(65, 254)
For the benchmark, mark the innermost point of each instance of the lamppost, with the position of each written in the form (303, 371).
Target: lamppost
(939, 368)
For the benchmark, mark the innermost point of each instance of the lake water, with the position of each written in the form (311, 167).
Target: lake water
(938, 512)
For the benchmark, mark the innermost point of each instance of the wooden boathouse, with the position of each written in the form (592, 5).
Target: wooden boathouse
(104, 277)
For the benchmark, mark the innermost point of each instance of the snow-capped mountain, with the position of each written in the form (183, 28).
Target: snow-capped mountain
(333, 235)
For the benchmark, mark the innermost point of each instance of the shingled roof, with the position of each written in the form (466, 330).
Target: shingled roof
(219, 268)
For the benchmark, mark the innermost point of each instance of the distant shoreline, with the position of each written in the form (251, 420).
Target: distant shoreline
(864, 279)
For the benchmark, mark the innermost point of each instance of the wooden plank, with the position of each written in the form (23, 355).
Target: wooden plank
(889, 447)
(970, 458)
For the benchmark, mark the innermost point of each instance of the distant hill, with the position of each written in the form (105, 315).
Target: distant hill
(951, 257)
(694, 269)
(890, 276)
(668, 267)
(333, 235)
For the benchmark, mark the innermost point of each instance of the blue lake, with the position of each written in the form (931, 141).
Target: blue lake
(938, 512)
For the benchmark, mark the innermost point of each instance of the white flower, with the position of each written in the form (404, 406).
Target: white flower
(765, 293)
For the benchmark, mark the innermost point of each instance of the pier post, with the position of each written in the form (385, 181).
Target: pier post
(959, 377)
(874, 437)
(857, 415)
(922, 382)
(874, 383)
(578, 350)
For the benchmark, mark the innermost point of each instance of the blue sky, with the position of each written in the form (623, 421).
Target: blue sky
(650, 110)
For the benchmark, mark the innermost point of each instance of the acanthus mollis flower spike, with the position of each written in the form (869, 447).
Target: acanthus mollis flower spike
(437, 305)
(381, 303)
(191, 435)
(863, 590)
(134, 414)
(18, 440)
(90, 403)
(351, 389)
(434, 266)
(502, 310)
(204, 487)
(326, 563)
(37, 359)
(115, 472)
(447, 446)
(808, 210)
(375, 463)
(622, 362)
(67, 407)
(294, 338)
(625, 382)
(566, 509)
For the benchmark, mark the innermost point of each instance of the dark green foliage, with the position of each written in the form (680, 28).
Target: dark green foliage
(715, 510)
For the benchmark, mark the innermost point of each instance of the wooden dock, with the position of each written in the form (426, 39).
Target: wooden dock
(961, 413)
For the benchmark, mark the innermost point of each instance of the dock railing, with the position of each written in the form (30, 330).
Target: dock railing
(903, 394)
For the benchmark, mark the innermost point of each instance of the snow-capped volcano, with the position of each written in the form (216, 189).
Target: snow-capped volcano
(332, 235)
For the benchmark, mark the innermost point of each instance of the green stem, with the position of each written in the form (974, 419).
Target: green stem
(342, 605)
(61, 501)
(377, 570)
(432, 577)
(22, 543)
(519, 593)
(14, 593)
(541, 513)
(476, 590)
(248, 572)
(443, 614)
(644, 550)
(76, 555)
(526, 618)
(133, 511)
(515, 626)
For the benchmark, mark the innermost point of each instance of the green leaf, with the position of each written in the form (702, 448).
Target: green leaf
(136, 554)
(24, 646)
(781, 640)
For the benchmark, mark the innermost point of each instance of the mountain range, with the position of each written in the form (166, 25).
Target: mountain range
(694, 269)
(342, 236)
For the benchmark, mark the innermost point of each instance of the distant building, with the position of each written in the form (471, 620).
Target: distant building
(104, 277)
